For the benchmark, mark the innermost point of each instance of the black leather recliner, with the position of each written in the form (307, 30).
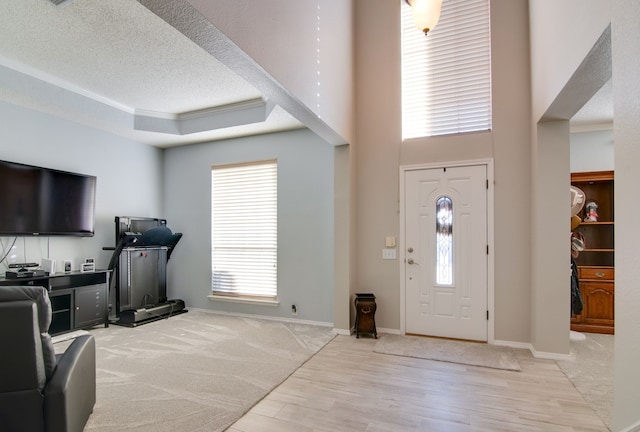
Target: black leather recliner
(39, 390)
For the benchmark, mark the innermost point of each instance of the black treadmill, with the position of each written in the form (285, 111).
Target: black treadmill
(139, 262)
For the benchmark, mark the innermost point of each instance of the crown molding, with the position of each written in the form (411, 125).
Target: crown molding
(206, 119)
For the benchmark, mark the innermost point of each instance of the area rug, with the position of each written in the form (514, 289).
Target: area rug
(467, 353)
(194, 372)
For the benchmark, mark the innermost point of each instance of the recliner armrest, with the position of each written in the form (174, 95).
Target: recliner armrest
(70, 394)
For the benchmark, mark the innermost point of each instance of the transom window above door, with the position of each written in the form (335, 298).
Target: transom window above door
(446, 76)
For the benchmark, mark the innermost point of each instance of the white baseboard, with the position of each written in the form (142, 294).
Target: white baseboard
(632, 428)
(380, 330)
(264, 317)
(388, 331)
(551, 355)
(536, 354)
(512, 344)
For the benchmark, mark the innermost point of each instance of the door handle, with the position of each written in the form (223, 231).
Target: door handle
(411, 261)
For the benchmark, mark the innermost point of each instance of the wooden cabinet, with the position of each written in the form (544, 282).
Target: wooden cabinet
(597, 288)
(365, 314)
(596, 263)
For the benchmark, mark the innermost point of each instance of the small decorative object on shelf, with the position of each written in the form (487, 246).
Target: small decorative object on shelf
(591, 210)
(365, 314)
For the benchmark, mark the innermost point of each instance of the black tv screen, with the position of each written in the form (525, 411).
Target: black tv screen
(43, 201)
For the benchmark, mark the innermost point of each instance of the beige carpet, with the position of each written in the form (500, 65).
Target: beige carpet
(467, 353)
(591, 372)
(193, 372)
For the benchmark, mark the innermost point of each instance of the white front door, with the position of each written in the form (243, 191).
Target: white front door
(446, 252)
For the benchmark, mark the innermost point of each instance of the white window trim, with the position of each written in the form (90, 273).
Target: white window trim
(244, 242)
(214, 297)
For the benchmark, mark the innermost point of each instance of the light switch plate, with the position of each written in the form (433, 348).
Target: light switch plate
(389, 254)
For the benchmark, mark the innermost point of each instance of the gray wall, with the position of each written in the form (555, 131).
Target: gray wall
(305, 221)
(135, 180)
(129, 178)
(592, 151)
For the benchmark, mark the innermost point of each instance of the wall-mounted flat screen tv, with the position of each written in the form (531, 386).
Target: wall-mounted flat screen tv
(46, 202)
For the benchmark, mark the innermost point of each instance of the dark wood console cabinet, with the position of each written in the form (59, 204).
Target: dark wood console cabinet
(78, 300)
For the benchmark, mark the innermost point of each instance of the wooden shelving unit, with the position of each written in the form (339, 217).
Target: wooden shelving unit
(596, 263)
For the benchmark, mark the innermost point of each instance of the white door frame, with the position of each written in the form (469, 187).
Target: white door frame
(490, 221)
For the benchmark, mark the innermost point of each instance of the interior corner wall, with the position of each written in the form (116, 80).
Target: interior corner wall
(512, 169)
(378, 132)
(550, 311)
(626, 94)
(342, 238)
(380, 152)
(129, 179)
(305, 221)
(304, 45)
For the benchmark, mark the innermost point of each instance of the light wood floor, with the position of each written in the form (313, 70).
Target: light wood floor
(348, 387)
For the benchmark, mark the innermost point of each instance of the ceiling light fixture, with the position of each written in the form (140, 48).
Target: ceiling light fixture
(426, 13)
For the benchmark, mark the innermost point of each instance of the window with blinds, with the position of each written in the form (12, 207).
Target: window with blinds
(446, 76)
(244, 219)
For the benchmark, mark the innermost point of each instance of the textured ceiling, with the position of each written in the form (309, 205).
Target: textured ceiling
(597, 112)
(106, 63)
(116, 66)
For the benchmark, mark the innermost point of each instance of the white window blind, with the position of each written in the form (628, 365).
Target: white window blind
(244, 218)
(446, 76)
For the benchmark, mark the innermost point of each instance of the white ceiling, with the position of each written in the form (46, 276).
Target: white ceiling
(116, 66)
